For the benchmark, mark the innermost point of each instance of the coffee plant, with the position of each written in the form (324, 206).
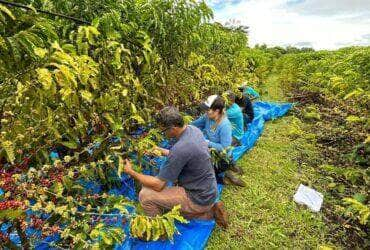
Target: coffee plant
(75, 89)
(333, 90)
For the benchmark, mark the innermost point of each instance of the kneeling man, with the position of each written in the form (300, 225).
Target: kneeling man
(189, 167)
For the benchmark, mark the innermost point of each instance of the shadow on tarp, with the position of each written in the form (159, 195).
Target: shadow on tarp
(196, 233)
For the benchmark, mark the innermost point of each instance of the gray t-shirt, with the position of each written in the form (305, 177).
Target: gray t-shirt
(189, 163)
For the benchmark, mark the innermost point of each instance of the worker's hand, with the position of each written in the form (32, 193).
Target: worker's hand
(128, 167)
(157, 151)
(163, 151)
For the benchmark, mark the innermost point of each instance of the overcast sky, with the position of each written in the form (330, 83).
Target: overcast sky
(321, 24)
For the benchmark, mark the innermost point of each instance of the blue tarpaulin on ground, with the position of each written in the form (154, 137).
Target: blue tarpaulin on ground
(263, 111)
(195, 234)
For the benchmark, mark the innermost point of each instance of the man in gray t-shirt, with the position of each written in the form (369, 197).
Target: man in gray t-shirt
(189, 166)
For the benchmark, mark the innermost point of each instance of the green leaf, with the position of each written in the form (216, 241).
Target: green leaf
(40, 52)
(109, 118)
(117, 58)
(138, 118)
(141, 225)
(6, 11)
(86, 95)
(70, 144)
(169, 229)
(124, 92)
(122, 209)
(148, 230)
(156, 232)
(354, 93)
(9, 149)
(133, 108)
(341, 188)
(94, 234)
(332, 185)
(179, 218)
(117, 234)
(95, 22)
(11, 214)
(45, 78)
(101, 173)
(106, 239)
(354, 119)
(58, 189)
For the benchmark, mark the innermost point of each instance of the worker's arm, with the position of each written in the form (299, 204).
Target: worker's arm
(200, 122)
(164, 152)
(146, 180)
(157, 151)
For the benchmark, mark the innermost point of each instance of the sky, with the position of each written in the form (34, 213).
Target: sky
(320, 24)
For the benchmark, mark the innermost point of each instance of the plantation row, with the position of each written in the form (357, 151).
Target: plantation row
(73, 97)
(332, 89)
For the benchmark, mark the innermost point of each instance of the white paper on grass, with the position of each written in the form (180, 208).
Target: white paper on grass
(309, 197)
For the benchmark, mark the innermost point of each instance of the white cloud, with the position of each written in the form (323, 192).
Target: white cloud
(325, 24)
(330, 7)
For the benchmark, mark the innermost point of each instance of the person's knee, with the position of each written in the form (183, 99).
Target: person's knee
(145, 195)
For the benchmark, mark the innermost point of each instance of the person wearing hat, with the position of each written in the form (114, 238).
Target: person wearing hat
(189, 166)
(214, 124)
(217, 131)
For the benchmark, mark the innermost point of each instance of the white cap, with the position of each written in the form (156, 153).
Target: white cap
(208, 103)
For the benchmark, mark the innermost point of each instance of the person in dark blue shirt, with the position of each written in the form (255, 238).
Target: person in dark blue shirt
(245, 104)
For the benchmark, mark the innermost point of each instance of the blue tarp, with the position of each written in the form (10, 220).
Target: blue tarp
(195, 234)
(263, 111)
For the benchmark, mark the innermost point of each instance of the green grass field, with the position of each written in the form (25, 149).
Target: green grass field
(263, 214)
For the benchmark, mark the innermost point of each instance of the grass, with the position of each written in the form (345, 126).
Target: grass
(263, 214)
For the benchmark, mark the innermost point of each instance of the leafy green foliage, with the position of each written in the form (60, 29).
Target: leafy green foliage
(332, 88)
(83, 90)
(361, 210)
(341, 74)
(106, 238)
(147, 228)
